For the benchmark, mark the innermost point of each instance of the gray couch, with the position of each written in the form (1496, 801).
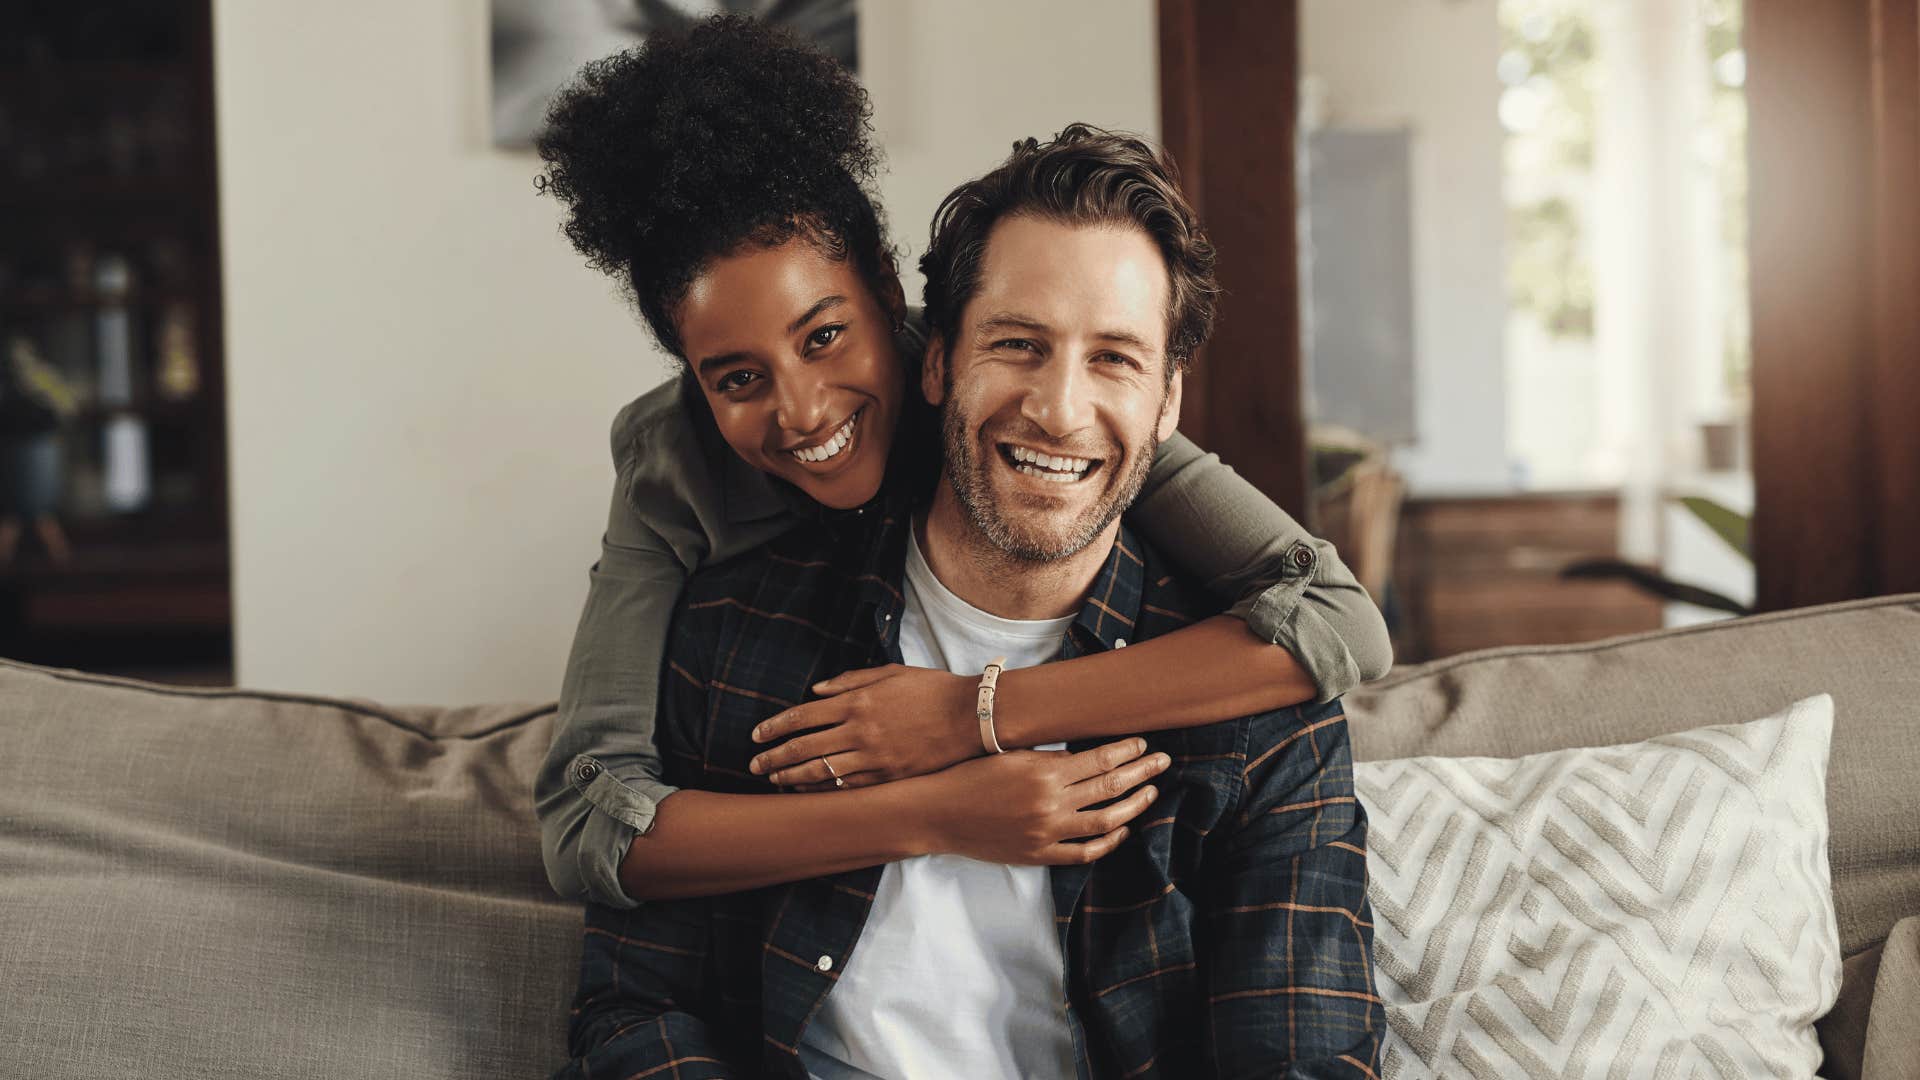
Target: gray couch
(224, 883)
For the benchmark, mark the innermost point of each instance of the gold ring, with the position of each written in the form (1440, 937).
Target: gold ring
(837, 781)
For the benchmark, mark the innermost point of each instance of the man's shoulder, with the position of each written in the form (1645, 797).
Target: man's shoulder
(1169, 600)
(814, 561)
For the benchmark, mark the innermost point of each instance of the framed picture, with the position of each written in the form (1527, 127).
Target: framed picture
(539, 44)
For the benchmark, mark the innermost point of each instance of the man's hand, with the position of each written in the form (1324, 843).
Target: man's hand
(875, 724)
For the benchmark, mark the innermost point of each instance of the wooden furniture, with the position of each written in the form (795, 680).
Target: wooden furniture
(1474, 573)
(110, 273)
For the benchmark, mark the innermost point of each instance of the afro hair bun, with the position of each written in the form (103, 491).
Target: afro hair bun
(677, 151)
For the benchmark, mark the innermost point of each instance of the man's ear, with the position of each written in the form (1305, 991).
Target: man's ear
(1170, 408)
(933, 371)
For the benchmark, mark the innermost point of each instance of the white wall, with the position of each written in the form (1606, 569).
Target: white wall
(1431, 66)
(421, 373)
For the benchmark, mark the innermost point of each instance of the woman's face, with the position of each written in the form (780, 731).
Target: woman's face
(796, 357)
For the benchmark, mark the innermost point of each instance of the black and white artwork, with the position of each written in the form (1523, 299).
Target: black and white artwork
(539, 44)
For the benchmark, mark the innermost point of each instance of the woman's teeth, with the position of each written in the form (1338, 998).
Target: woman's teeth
(1059, 470)
(832, 447)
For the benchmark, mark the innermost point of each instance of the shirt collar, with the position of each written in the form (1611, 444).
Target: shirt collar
(1112, 608)
(1106, 619)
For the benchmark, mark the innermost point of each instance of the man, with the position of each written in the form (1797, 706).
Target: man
(1229, 934)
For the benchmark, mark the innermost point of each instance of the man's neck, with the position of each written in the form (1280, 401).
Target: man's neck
(977, 571)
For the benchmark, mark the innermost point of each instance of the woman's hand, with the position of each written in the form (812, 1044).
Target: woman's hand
(1026, 806)
(875, 724)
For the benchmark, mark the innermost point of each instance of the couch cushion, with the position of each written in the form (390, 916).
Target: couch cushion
(1508, 702)
(1651, 909)
(208, 883)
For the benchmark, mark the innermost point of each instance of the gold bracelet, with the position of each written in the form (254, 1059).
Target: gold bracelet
(983, 706)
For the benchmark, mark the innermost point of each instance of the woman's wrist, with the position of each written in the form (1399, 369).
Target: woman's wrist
(915, 815)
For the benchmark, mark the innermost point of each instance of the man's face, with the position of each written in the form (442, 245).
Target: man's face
(1054, 394)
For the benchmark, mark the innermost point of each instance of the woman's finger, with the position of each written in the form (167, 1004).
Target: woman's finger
(1109, 818)
(1114, 783)
(855, 679)
(798, 749)
(813, 714)
(1069, 854)
(1102, 759)
(815, 771)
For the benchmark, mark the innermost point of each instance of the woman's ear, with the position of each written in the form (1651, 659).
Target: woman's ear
(893, 298)
(933, 372)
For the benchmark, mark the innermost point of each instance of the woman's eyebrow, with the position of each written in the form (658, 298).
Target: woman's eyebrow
(811, 313)
(718, 360)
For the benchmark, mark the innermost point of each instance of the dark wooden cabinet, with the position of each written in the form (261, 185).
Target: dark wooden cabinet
(113, 460)
(1475, 573)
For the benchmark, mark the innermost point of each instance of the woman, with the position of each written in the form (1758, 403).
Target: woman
(721, 175)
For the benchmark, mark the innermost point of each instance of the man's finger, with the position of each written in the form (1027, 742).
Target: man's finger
(853, 680)
(813, 714)
(1103, 758)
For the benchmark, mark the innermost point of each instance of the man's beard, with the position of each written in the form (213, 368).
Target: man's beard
(968, 473)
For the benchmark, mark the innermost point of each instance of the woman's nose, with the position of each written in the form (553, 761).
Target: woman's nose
(802, 404)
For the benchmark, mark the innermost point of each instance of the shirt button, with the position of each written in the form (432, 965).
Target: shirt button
(825, 963)
(586, 771)
(1119, 643)
(1303, 558)
(888, 617)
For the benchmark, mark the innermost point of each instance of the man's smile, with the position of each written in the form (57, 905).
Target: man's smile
(1052, 468)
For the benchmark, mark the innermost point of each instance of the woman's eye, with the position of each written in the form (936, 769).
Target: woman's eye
(734, 380)
(825, 336)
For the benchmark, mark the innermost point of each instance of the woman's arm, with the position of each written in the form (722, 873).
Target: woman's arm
(1025, 807)
(1290, 589)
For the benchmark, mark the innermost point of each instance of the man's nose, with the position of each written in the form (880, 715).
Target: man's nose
(1056, 399)
(803, 402)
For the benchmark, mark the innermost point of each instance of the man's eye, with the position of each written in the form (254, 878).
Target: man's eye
(734, 380)
(1016, 344)
(1114, 358)
(825, 336)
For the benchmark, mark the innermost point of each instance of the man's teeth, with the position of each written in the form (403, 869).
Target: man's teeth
(830, 448)
(1061, 470)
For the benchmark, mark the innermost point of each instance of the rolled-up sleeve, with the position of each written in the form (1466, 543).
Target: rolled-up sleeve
(601, 782)
(1289, 586)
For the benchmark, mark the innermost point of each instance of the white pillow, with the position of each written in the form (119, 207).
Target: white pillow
(1630, 911)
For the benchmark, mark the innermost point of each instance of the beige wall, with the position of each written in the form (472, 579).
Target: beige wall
(1431, 67)
(421, 373)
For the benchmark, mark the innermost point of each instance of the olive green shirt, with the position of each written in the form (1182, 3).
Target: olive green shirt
(683, 499)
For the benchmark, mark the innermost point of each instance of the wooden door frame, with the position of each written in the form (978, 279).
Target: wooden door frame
(1834, 103)
(1229, 93)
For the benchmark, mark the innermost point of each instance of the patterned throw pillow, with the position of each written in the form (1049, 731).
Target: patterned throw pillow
(1655, 910)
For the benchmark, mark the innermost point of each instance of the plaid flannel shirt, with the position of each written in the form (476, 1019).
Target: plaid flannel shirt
(1229, 935)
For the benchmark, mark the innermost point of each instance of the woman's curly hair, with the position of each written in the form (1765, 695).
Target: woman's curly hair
(700, 141)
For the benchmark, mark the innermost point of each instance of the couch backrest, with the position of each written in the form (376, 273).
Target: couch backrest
(220, 883)
(1509, 702)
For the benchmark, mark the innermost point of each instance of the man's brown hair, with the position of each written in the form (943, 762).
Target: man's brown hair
(1085, 176)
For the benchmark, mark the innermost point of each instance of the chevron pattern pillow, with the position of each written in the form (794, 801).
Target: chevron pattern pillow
(1655, 910)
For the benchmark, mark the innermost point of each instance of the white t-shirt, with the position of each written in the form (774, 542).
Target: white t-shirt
(958, 972)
